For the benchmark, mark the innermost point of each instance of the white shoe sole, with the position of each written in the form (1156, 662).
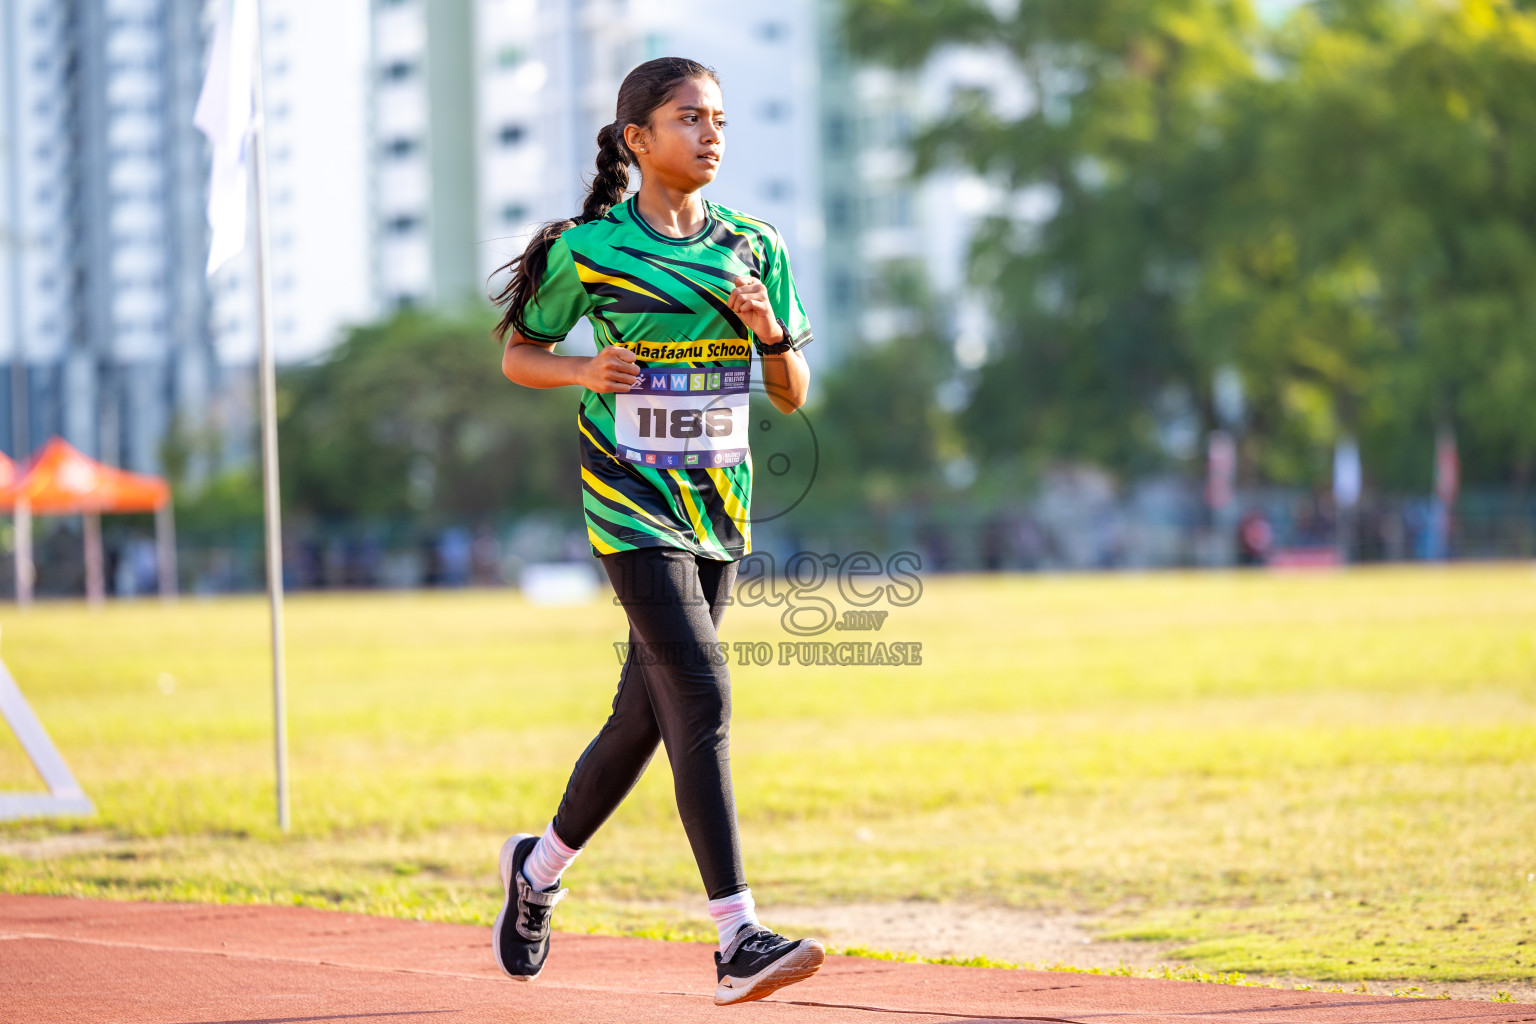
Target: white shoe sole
(788, 969)
(509, 896)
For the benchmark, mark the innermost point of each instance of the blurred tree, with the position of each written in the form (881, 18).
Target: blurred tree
(208, 500)
(1110, 168)
(1375, 271)
(1342, 206)
(412, 417)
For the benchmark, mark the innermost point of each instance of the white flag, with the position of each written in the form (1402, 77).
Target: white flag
(225, 111)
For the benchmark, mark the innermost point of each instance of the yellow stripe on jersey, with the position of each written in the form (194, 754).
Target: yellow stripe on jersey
(595, 442)
(608, 336)
(685, 488)
(608, 492)
(599, 542)
(752, 243)
(590, 276)
(734, 508)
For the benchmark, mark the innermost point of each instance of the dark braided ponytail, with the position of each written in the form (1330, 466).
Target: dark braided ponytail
(644, 89)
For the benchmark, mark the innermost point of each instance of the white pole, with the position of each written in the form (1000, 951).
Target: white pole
(165, 550)
(95, 572)
(268, 374)
(26, 572)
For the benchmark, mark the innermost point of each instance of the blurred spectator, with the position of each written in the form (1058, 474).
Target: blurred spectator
(455, 552)
(936, 547)
(486, 558)
(1429, 526)
(1255, 538)
(1029, 542)
(994, 544)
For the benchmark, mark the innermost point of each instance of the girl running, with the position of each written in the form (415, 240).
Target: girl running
(678, 291)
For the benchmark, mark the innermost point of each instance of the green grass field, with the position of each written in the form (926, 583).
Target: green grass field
(1329, 776)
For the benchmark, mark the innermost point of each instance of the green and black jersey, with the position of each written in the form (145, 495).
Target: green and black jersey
(667, 464)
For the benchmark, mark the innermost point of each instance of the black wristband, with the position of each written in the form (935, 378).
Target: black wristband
(779, 347)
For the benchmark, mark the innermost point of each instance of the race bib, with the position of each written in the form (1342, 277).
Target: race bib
(677, 419)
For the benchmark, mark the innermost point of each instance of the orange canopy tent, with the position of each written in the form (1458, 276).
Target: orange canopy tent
(61, 480)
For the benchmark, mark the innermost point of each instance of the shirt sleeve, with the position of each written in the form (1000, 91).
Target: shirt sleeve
(783, 295)
(561, 299)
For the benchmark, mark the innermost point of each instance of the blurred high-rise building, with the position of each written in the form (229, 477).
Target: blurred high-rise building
(423, 157)
(896, 245)
(103, 241)
(113, 328)
(316, 86)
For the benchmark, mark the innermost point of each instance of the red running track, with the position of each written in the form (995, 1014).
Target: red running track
(68, 960)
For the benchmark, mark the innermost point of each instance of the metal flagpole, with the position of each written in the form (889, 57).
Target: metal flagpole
(268, 374)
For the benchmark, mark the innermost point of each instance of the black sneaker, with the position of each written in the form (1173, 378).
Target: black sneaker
(758, 962)
(520, 935)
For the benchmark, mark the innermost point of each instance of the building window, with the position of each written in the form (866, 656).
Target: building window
(511, 134)
(891, 209)
(874, 210)
(514, 213)
(875, 290)
(509, 57)
(772, 31)
(839, 211)
(837, 133)
(775, 110)
(398, 70)
(887, 128)
(777, 190)
(844, 289)
(401, 147)
(403, 224)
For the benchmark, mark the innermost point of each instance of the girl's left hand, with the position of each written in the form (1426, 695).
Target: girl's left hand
(749, 301)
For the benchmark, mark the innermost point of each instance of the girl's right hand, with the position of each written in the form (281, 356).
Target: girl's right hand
(613, 369)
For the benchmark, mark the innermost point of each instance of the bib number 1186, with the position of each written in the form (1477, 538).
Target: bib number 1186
(715, 422)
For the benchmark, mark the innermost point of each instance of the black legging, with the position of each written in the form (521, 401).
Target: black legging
(674, 687)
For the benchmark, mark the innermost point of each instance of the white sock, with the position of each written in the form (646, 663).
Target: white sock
(548, 860)
(730, 913)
